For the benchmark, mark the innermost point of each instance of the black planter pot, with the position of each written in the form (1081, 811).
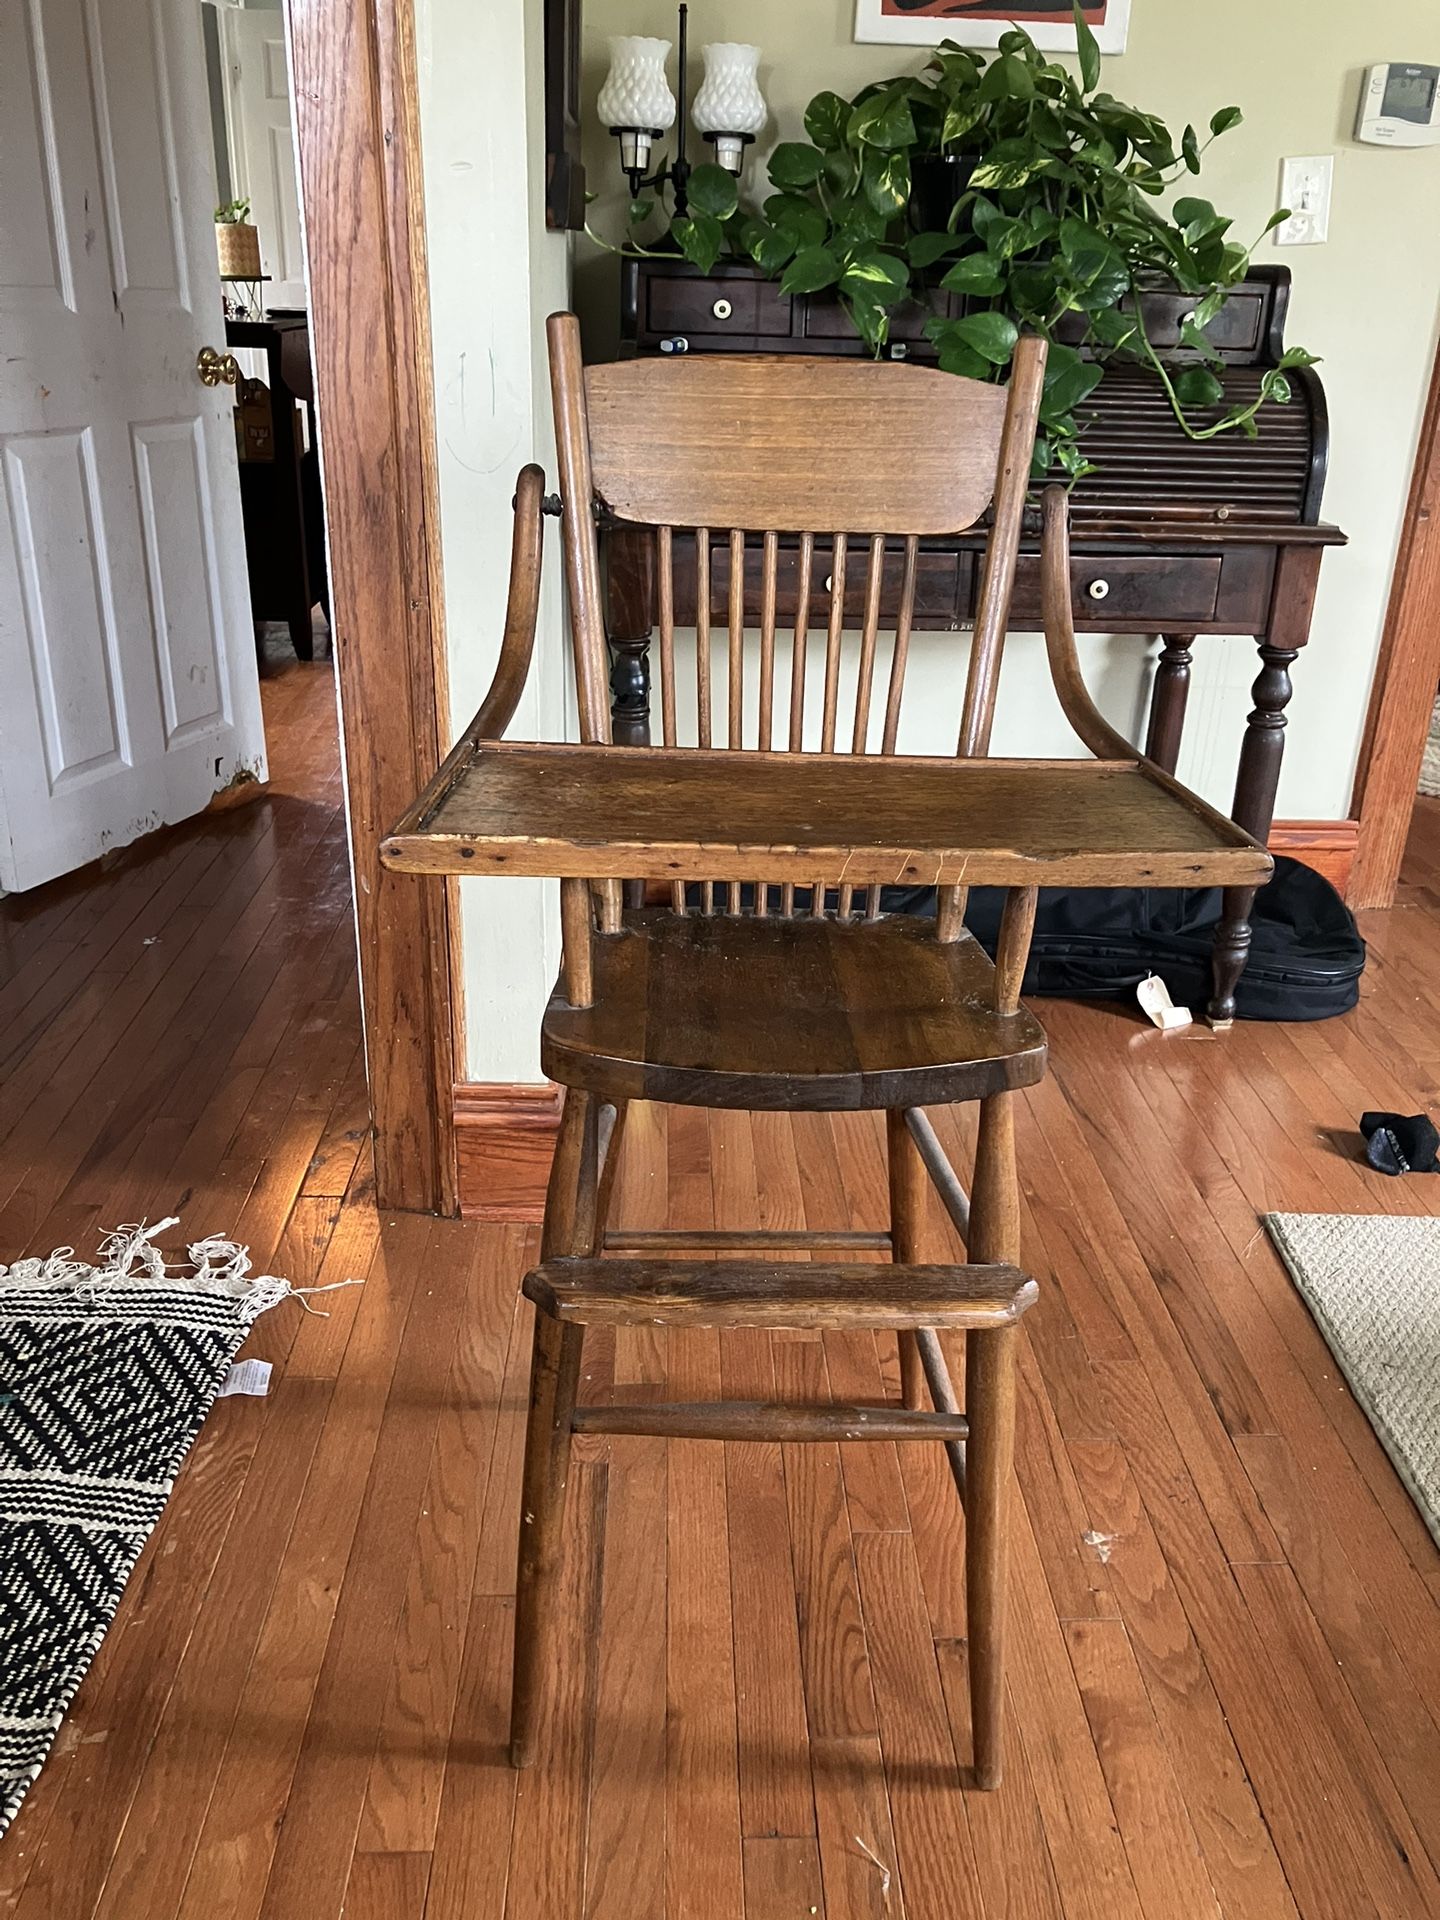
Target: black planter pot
(937, 181)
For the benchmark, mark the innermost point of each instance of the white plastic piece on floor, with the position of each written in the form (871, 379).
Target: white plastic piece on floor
(1155, 1001)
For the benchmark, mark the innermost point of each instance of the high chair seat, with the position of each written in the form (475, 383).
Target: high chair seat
(719, 1010)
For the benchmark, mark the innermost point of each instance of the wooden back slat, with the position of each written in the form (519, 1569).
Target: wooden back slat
(740, 440)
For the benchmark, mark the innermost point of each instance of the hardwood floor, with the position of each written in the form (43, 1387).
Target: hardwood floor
(1225, 1652)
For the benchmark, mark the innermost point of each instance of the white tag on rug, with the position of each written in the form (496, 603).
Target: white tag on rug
(1154, 998)
(247, 1376)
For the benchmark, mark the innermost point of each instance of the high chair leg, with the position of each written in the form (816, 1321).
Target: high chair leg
(989, 1452)
(572, 1226)
(909, 1192)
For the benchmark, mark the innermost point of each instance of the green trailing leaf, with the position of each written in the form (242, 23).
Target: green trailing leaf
(1088, 49)
(1069, 386)
(1087, 251)
(712, 190)
(1197, 341)
(1114, 329)
(1009, 164)
(1072, 462)
(924, 249)
(800, 220)
(887, 181)
(842, 173)
(976, 274)
(859, 225)
(793, 164)
(1198, 387)
(826, 118)
(884, 120)
(1190, 149)
(1008, 78)
(810, 270)
(959, 119)
(700, 238)
(878, 276)
(1275, 386)
(991, 335)
(1226, 119)
(640, 211)
(1107, 289)
(769, 247)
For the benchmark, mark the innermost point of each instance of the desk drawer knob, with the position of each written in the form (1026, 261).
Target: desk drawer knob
(722, 309)
(1098, 589)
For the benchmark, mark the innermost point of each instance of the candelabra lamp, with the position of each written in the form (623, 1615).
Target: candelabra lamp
(636, 104)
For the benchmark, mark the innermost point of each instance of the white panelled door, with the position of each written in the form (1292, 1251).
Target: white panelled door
(128, 684)
(262, 144)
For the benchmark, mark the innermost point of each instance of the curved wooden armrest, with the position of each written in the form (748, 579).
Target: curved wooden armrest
(1090, 725)
(517, 645)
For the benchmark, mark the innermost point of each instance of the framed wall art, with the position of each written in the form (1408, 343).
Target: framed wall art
(980, 23)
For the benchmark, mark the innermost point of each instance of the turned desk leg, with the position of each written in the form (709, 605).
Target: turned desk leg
(1254, 809)
(629, 617)
(1167, 700)
(1292, 604)
(629, 611)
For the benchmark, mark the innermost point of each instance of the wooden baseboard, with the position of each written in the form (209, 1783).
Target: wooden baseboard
(1326, 845)
(504, 1139)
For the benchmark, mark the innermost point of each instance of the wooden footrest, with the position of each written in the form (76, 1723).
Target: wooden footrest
(759, 1293)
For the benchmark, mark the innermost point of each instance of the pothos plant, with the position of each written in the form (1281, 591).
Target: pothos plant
(1058, 221)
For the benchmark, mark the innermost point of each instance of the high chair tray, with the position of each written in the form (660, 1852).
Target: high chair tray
(655, 813)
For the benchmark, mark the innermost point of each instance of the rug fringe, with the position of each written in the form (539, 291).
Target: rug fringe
(131, 1262)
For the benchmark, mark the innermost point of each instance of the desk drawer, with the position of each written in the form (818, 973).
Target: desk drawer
(708, 312)
(1152, 592)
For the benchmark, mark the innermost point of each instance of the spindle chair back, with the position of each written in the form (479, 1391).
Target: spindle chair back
(856, 463)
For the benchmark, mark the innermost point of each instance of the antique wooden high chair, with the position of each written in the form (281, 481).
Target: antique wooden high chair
(772, 979)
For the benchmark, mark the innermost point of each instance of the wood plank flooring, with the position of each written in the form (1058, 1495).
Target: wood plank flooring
(1225, 1655)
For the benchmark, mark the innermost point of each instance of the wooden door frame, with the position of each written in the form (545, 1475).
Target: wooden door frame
(352, 67)
(1402, 694)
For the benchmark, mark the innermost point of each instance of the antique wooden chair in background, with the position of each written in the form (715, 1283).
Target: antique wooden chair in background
(772, 979)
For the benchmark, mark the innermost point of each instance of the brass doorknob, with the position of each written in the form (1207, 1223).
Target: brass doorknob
(217, 368)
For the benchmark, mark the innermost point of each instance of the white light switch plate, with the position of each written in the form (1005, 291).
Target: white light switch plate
(1305, 189)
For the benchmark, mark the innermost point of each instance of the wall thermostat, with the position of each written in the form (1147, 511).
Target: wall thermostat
(1400, 107)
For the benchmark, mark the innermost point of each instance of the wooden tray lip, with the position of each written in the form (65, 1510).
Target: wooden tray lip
(420, 844)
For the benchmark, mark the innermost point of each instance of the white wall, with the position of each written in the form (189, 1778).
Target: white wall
(494, 275)
(1366, 301)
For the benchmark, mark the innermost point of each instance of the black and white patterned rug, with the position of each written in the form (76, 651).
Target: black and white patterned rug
(106, 1373)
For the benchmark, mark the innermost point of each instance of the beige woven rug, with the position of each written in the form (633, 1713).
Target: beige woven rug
(1372, 1282)
(1430, 765)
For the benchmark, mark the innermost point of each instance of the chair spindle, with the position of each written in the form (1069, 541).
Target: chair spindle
(798, 652)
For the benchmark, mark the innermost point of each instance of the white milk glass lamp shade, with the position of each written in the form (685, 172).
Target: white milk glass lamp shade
(636, 102)
(730, 108)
